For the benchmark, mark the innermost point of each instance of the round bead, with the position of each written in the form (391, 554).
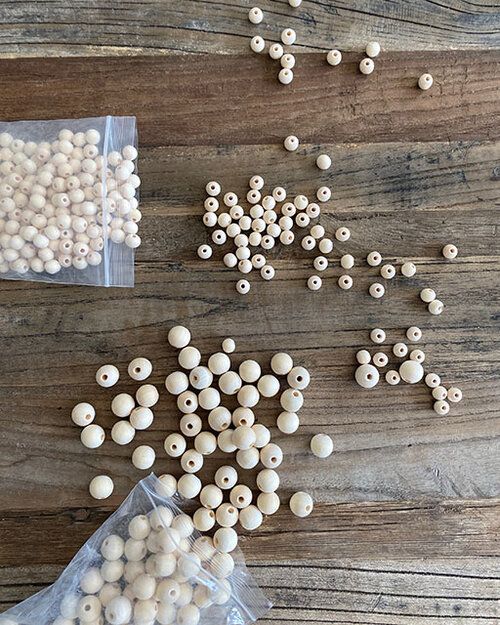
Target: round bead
(250, 518)
(347, 261)
(226, 515)
(200, 378)
(377, 335)
(345, 282)
(248, 458)
(190, 424)
(417, 354)
(147, 395)
(268, 386)
(323, 194)
(414, 334)
(204, 252)
(288, 62)
(294, 3)
(408, 269)
(92, 436)
(291, 400)
(411, 371)
(427, 295)
(450, 251)
(435, 307)
(314, 283)
(425, 82)
(179, 336)
(112, 547)
(281, 363)
(287, 422)
(205, 443)
(189, 357)
(230, 383)
(258, 261)
(83, 414)
(262, 435)
(276, 51)
(454, 394)
(243, 437)
(122, 405)
(118, 611)
(107, 376)
(267, 272)
(268, 503)
(374, 259)
(323, 162)
(249, 371)
(204, 519)
(366, 66)
(367, 376)
(288, 36)
(143, 457)
(209, 398)
(166, 485)
(257, 44)
(442, 407)
(392, 377)
(188, 615)
(380, 359)
(228, 346)
(225, 539)
(342, 234)
(255, 15)
(376, 290)
(177, 382)
(267, 481)
(122, 433)
(320, 263)
(101, 487)
(140, 369)
(299, 378)
(363, 357)
(89, 609)
(219, 419)
(248, 396)
(271, 456)
(240, 496)
(90, 583)
(226, 477)
(388, 272)
(243, 287)
(334, 57)
(400, 350)
(189, 485)
(321, 445)
(285, 76)
(291, 143)
(439, 392)
(432, 380)
(191, 461)
(141, 418)
(301, 504)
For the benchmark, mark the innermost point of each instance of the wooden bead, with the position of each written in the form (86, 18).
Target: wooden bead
(135, 549)
(366, 66)
(450, 251)
(143, 457)
(372, 49)
(219, 363)
(374, 259)
(285, 76)
(112, 547)
(392, 377)
(92, 436)
(334, 57)
(411, 371)
(287, 422)
(243, 437)
(243, 287)
(262, 435)
(144, 586)
(175, 445)
(255, 15)
(177, 383)
(240, 496)
(425, 82)
(313, 211)
(122, 433)
(299, 378)
(342, 234)
(363, 357)
(107, 376)
(168, 592)
(230, 383)
(200, 378)
(139, 527)
(268, 503)
(248, 396)
(323, 194)
(281, 363)
(250, 518)
(226, 515)
(83, 414)
(417, 354)
(294, 3)
(145, 611)
(188, 615)
(189, 357)
(377, 335)
(376, 290)
(122, 405)
(166, 485)
(101, 487)
(204, 252)
(454, 394)
(345, 282)
(179, 336)
(89, 609)
(249, 371)
(204, 519)
(321, 445)
(439, 392)
(189, 486)
(112, 571)
(287, 61)
(228, 346)
(147, 395)
(140, 369)
(267, 481)
(205, 443)
(257, 44)
(414, 334)
(225, 441)
(388, 271)
(432, 380)
(268, 386)
(427, 295)
(91, 582)
(271, 456)
(323, 162)
(291, 400)
(367, 376)
(301, 504)
(400, 350)
(380, 359)
(347, 261)
(209, 398)
(118, 611)
(248, 458)
(267, 272)
(442, 407)
(325, 246)
(226, 477)
(435, 307)
(225, 539)
(276, 52)
(191, 461)
(187, 402)
(308, 243)
(314, 283)
(219, 418)
(190, 425)
(408, 269)
(288, 36)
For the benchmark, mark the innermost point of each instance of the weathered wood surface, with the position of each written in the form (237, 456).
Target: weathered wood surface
(135, 27)
(406, 526)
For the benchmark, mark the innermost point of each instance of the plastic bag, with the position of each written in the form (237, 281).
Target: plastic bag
(202, 579)
(69, 200)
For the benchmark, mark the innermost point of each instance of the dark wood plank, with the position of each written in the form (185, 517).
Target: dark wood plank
(192, 100)
(43, 28)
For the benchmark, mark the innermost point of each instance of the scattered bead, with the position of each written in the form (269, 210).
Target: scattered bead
(411, 371)
(204, 252)
(427, 295)
(288, 36)
(276, 51)
(388, 271)
(377, 335)
(287, 61)
(425, 82)
(334, 57)
(285, 76)
(225, 539)
(400, 350)
(323, 162)
(363, 357)
(250, 518)
(347, 261)
(366, 66)
(143, 457)
(374, 259)
(345, 282)
(432, 380)
(294, 3)
(83, 414)
(380, 359)
(92, 436)
(441, 407)
(321, 445)
(439, 393)
(392, 377)
(408, 269)
(257, 44)
(325, 246)
(314, 283)
(342, 234)
(417, 354)
(268, 503)
(454, 394)
(122, 433)
(287, 422)
(320, 263)
(101, 487)
(376, 290)
(367, 376)
(107, 375)
(450, 251)
(255, 15)
(291, 143)
(243, 287)
(301, 504)
(414, 334)
(372, 49)
(323, 194)
(140, 368)
(435, 307)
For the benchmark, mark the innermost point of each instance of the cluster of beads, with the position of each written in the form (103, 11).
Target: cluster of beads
(61, 202)
(203, 387)
(411, 370)
(159, 571)
(134, 413)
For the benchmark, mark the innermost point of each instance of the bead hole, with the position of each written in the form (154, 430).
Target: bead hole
(225, 480)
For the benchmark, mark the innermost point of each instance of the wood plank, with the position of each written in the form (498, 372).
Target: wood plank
(134, 27)
(195, 101)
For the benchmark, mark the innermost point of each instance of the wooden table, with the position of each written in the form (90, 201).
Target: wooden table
(406, 523)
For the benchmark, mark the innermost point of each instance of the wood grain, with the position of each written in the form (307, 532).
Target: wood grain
(135, 27)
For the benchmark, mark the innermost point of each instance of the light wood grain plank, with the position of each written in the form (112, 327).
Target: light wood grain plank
(160, 27)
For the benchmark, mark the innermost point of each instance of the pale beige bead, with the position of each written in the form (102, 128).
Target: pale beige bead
(190, 424)
(145, 611)
(122, 405)
(301, 504)
(417, 354)
(248, 396)
(219, 363)
(101, 487)
(268, 503)
(112, 547)
(225, 441)
(243, 437)
(250, 518)
(347, 261)
(188, 615)
(243, 416)
(320, 263)
(323, 162)
(377, 335)
(187, 402)
(91, 582)
(118, 611)
(204, 519)
(372, 49)
(366, 66)
(314, 283)
(83, 414)
(325, 246)
(321, 445)
(342, 234)
(442, 407)
(209, 398)
(267, 480)
(219, 419)
(205, 443)
(427, 295)
(141, 418)
(143, 457)
(281, 363)
(271, 456)
(226, 515)
(392, 377)
(439, 392)
(380, 359)
(183, 524)
(92, 436)
(262, 435)
(323, 194)
(291, 400)
(400, 350)
(211, 496)
(191, 461)
(179, 336)
(276, 52)
(287, 422)
(345, 282)
(454, 394)
(388, 271)
(408, 269)
(268, 385)
(177, 382)
(89, 609)
(112, 570)
(367, 376)
(225, 539)
(139, 527)
(291, 142)
(411, 371)
(189, 357)
(376, 290)
(240, 496)
(249, 371)
(414, 334)
(140, 369)
(107, 376)
(175, 445)
(122, 433)
(435, 307)
(432, 380)
(363, 357)
(374, 259)
(189, 485)
(248, 458)
(230, 383)
(450, 251)
(168, 591)
(425, 82)
(226, 477)
(334, 57)
(200, 378)
(135, 549)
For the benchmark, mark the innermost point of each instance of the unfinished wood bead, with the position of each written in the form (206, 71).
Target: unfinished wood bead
(411, 371)
(288, 36)
(191, 461)
(147, 395)
(442, 407)
(122, 433)
(439, 392)
(299, 378)
(408, 269)
(372, 49)
(189, 485)
(211, 496)
(225, 539)
(427, 295)
(435, 307)
(342, 234)
(287, 422)
(414, 334)
(204, 519)
(243, 416)
(432, 380)
(226, 477)
(262, 435)
(226, 515)
(376, 290)
(367, 376)
(243, 287)
(450, 251)
(250, 518)
(281, 363)
(179, 336)
(377, 335)
(323, 194)
(177, 382)
(92, 436)
(255, 15)
(363, 357)
(101, 487)
(425, 82)
(107, 375)
(230, 383)
(268, 503)
(112, 547)
(347, 261)
(291, 400)
(314, 283)
(205, 443)
(200, 378)
(325, 246)
(83, 414)
(374, 259)
(334, 57)
(189, 357)
(204, 252)
(248, 396)
(271, 456)
(190, 424)
(175, 445)
(392, 377)
(345, 282)
(240, 496)
(301, 504)
(249, 371)
(285, 76)
(268, 386)
(454, 394)
(187, 402)
(366, 66)
(122, 405)
(288, 62)
(89, 609)
(143, 457)
(257, 44)
(321, 445)
(380, 359)
(118, 611)
(417, 354)
(400, 350)
(243, 437)
(248, 458)
(323, 162)
(387, 272)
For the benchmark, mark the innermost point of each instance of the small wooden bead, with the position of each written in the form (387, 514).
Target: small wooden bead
(243, 416)
(288, 36)
(240, 496)
(408, 269)
(166, 485)
(228, 346)
(411, 371)
(414, 334)
(281, 363)
(249, 371)
(210, 220)
(308, 243)
(268, 503)
(347, 261)
(187, 402)
(314, 283)
(288, 62)
(432, 380)
(291, 143)
(230, 383)
(92, 436)
(285, 76)
(366, 66)
(380, 359)
(323, 194)
(219, 418)
(139, 527)
(255, 15)
(257, 44)
(219, 362)
(143, 457)
(225, 539)
(168, 592)
(291, 400)
(200, 378)
(267, 272)
(388, 271)
(345, 282)
(372, 49)
(271, 456)
(179, 337)
(118, 611)
(144, 586)
(147, 395)
(321, 445)
(417, 354)
(211, 496)
(442, 407)
(400, 350)
(224, 220)
(248, 458)
(268, 386)
(392, 377)
(323, 162)
(427, 295)
(363, 357)
(204, 519)
(325, 246)
(302, 220)
(243, 437)
(313, 210)
(262, 435)
(425, 82)
(248, 396)
(226, 515)
(189, 486)
(190, 425)
(267, 242)
(122, 405)
(112, 547)
(376, 290)
(287, 422)
(367, 376)
(243, 287)
(374, 259)
(342, 234)
(83, 414)
(435, 307)
(301, 504)
(287, 237)
(258, 261)
(175, 445)
(205, 443)
(204, 252)
(122, 433)
(177, 382)
(188, 615)
(294, 3)
(454, 394)
(107, 376)
(439, 393)
(334, 57)
(230, 199)
(450, 251)
(377, 335)
(135, 548)
(101, 487)
(191, 461)
(219, 237)
(189, 357)
(226, 477)
(276, 52)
